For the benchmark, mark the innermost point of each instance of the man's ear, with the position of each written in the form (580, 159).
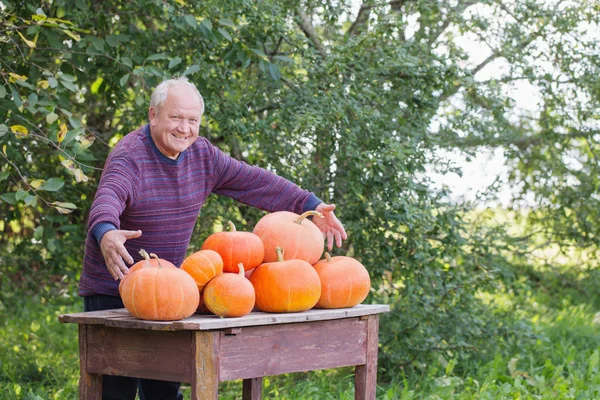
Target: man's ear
(152, 115)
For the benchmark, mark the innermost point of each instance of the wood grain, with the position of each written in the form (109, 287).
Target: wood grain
(205, 380)
(365, 376)
(252, 389)
(90, 385)
(122, 319)
(139, 353)
(265, 350)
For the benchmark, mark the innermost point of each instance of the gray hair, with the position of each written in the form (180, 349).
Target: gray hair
(159, 96)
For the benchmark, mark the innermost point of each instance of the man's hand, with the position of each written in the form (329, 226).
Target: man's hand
(114, 252)
(330, 225)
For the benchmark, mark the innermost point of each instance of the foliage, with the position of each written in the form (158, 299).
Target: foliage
(349, 104)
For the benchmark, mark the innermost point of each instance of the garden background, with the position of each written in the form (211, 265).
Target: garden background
(362, 103)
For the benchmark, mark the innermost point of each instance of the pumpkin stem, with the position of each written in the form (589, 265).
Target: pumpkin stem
(280, 252)
(144, 254)
(328, 257)
(241, 267)
(231, 226)
(157, 259)
(308, 214)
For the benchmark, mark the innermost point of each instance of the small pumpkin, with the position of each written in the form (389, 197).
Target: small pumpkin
(236, 247)
(299, 236)
(146, 261)
(203, 266)
(345, 282)
(160, 293)
(285, 286)
(230, 295)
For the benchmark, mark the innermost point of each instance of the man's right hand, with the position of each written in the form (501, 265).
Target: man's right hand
(114, 252)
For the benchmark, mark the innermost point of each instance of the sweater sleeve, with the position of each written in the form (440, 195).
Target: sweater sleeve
(114, 193)
(259, 187)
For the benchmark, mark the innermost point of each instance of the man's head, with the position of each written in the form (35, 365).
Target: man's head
(176, 109)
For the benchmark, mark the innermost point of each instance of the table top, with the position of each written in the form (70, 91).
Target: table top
(121, 318)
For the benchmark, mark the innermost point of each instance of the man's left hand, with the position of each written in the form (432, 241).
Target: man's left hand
(330, 225)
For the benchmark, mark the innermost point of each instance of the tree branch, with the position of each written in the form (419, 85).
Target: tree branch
(309, 30)
(361, 18)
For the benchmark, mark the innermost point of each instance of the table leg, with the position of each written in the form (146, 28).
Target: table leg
(205, 365)
(90, 385)
(252, 389)
(365, 379)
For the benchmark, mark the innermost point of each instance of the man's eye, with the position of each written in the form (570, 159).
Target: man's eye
(175, 118)
(193, 121)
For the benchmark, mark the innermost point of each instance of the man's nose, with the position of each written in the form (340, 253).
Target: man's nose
(184, 125)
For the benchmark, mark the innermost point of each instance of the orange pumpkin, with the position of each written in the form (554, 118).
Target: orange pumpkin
(236, 248)
(230, 295)
(145, 262)
(299, 236)
(286, 286)
(203, 266)
(345, 282)
(160, 293)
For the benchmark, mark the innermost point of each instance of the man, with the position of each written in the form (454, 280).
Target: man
(153, 186)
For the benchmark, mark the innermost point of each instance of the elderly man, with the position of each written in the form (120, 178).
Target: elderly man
(153, 186)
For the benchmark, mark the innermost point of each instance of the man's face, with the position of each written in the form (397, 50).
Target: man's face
(176, 127)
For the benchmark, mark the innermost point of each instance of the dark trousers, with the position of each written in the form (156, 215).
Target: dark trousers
(122, 387)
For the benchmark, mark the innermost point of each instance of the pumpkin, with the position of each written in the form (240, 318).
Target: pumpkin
(160, 293)
(299, 236)
(345, 282)
(146, 261)
(236, 248)
(285, 286)
(229, 294)
(203, 266)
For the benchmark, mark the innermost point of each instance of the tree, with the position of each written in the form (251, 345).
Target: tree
(351, 104)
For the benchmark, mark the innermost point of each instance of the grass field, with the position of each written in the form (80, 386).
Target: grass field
(559, 358)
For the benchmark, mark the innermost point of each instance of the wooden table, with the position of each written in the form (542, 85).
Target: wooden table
(204, 350)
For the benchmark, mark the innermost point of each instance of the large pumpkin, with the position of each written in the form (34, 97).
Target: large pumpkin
(229, 294)
(345, 282)
(285, 286)
(160, 293)
(145, 262)
(203, 266)
(299, 236)
(236, 248)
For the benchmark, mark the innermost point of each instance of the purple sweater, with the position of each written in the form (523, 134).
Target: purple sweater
(141, 188)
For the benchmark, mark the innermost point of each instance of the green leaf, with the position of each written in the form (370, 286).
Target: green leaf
(68, 77)
(274, 71)
(31, 200)
(52, 184)
(3, 130)
(207, 24)
(285, 59)
(174, 62)
(226, 22)
(21, 194)
(157, 56)
(50, 118)
(52, 82)
(32, 99)
(124, 80)
(190, 20)
(4, 175)
(64, 208)
(9, 198)
(260, 53)
(225, 34)
(2, 91)
(191, 70)
(127, 62)
(38, 232)
(75, 123)
(71, 86)
(112, 40)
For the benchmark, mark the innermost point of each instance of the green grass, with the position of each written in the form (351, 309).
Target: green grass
(557, 358)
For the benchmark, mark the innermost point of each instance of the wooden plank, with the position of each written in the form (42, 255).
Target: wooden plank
(90, 385)
(256, 318)
(121, 318)
(365, 378)
(205, 363)
(139, 353)
(277, 349)
(252, 389)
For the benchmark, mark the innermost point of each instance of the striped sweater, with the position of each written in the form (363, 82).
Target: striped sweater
(141, 188)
